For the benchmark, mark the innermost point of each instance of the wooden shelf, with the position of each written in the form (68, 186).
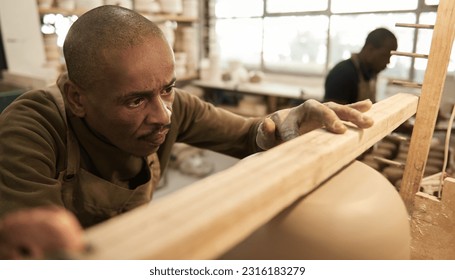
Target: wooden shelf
(155, 17)
(173, 17)
(53, 10)
(151, 16)
(188, 77)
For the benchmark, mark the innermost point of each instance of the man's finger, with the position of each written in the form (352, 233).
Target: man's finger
(348, 113)
(268, 127)
(332, 122)
(362, 106)
(266, 138)
(322, 115)
(288, 128)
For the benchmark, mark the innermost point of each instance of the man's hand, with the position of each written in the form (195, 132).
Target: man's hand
(40, 233)
(288, 124)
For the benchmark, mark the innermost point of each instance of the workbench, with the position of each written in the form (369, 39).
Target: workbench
(271, 91)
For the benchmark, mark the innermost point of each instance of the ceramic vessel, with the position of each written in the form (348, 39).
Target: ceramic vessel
(357, 214)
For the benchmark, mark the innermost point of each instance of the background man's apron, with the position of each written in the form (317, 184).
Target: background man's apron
(366, 89)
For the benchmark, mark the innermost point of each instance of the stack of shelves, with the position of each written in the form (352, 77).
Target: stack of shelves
(181, 29)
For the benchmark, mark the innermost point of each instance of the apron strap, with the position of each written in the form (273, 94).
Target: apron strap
(73, 153)
(366, 89)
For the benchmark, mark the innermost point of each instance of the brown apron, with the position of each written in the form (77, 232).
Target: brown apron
(366, 89)
(91, 198)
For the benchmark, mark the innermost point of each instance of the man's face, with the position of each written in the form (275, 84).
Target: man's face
(131, 106)
(380, 57)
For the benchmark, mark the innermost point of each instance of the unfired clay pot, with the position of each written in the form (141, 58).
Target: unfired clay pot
(357, 214)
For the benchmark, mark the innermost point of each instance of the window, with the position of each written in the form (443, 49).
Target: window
(432, 2)
(238, 8)
(351, 6)
(308, 37)
(287, 6)
(295, 44)
(240, 39)
(423, 47)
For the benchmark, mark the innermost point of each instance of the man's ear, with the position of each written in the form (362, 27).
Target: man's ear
(74, 97)
(369, 48)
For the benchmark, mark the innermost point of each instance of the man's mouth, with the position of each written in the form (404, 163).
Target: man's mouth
(155, 140)
(156, 137)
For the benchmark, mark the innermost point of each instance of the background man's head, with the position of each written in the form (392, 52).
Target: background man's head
(375, 53)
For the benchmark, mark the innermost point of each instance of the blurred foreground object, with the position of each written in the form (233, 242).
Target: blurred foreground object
(40, 233)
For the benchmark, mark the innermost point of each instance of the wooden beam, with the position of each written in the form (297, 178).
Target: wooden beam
(407, 84)
(207, 218)
(415, 55)
(430, 98)
(413, 25)
(432, 225)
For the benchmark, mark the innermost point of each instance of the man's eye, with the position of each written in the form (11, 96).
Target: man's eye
(167, 91)
(135, 102)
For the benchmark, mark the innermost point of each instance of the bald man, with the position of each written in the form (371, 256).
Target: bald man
(354, 79)
(97, 141)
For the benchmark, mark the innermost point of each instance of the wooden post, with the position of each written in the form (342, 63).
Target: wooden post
(430, 98)
(207, 218)
(432, 225)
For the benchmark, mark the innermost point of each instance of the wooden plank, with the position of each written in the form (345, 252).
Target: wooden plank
(406, 84)
(415, 55)
(207, 218)
(432, 225)
(430, 98)
(414, 25)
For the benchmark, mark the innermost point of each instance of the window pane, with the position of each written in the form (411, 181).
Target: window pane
(347, 6)
(423, 45)
(432, 2)
(296, 43)
(284, 6)
(348, 34)
(424, 37)
(240, 39)
(239, 8)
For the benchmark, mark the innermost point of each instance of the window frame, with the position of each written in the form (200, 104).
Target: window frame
(421, 8)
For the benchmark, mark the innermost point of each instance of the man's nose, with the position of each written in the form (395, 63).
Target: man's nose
(158, 112)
